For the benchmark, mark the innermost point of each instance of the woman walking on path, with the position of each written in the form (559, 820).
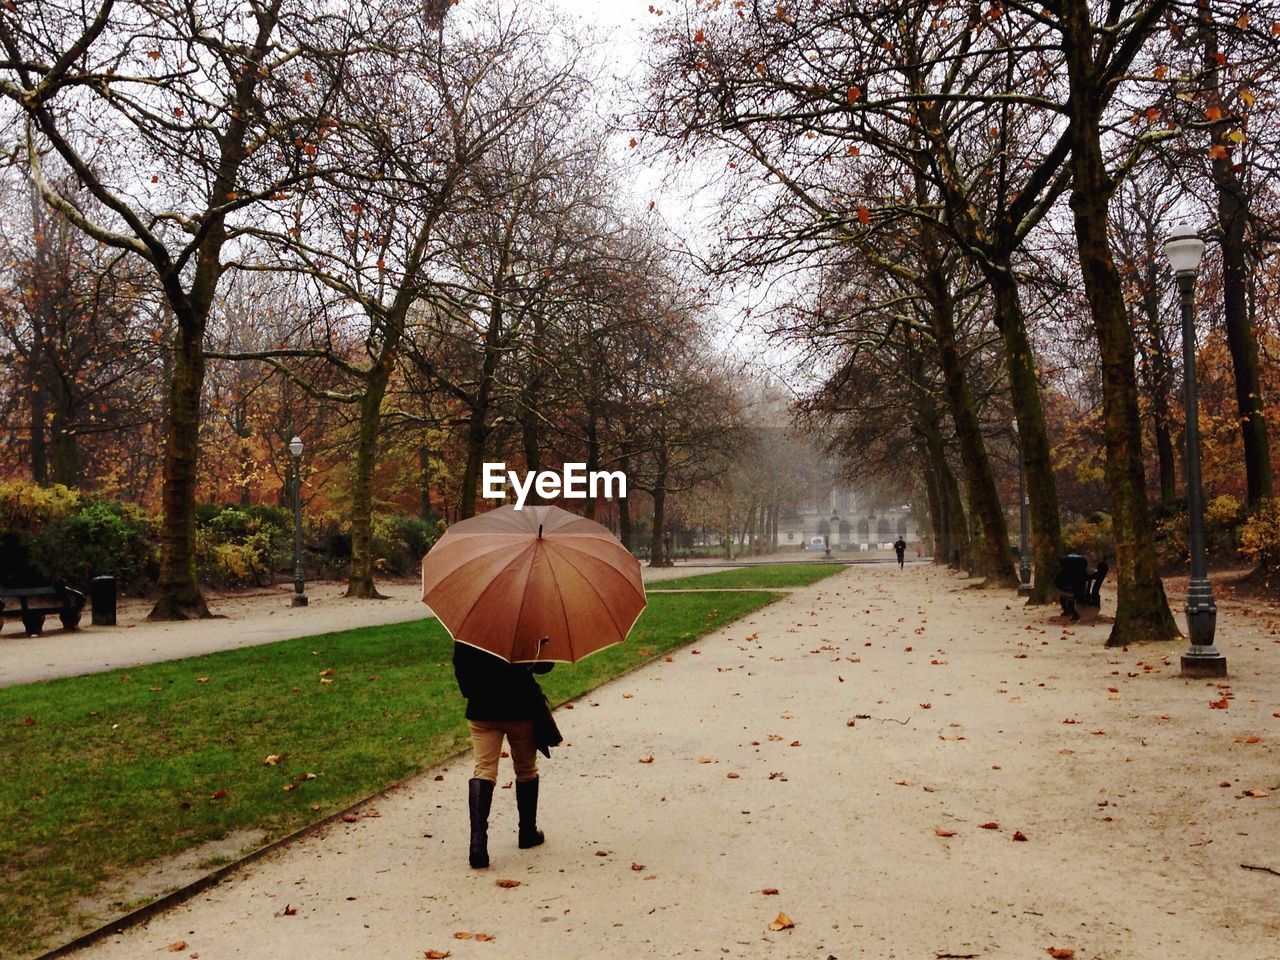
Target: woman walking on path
(503, 699)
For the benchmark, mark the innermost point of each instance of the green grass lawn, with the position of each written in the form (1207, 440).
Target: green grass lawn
(104, 773)
(762, 576)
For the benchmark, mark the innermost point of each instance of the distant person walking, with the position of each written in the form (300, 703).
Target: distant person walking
(900, 548)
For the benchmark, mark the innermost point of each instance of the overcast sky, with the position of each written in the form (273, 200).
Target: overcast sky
(680, 194)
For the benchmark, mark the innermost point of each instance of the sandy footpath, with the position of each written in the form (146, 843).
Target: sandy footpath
(242, 620)
(763, 776)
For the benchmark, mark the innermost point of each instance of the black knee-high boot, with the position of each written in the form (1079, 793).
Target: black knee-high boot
(480, 799)
(527, 805)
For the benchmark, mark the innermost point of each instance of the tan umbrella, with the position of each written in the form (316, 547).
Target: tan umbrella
(533, 584)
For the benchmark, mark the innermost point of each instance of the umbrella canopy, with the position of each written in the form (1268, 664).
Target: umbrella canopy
(533, 584)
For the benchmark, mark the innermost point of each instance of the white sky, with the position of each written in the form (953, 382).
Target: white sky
(680, 195)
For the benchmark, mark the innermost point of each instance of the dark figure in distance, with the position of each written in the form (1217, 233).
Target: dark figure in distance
(900, 548)
(502, 700)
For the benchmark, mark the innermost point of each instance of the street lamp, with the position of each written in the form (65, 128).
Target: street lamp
(299, 597)
(1024, 555)
(1184, 248)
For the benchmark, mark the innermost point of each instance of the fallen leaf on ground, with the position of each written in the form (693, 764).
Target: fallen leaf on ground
(782, 922)
(903, 783)
(602, 853)
(507, 884)
(991, 825)
(462, 935)
(1248, 739)
(485, 937)
(1256, 793)
(648, 759)
(1060, 953)
(290, 911)
(770, 891)
(436, 954)
(177, 945)
(272, 759)
(942, 832)
(1218, 704)
(637, 867)
(1019, 835)
(219, 794)
(732, 776)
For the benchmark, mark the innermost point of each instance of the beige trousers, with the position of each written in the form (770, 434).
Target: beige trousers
(486, 738)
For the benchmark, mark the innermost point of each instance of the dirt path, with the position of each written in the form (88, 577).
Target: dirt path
(244, 620)
(763, 776)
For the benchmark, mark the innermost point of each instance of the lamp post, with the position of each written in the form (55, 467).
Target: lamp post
(1024, 554)
(299, 597)
(1184, 248)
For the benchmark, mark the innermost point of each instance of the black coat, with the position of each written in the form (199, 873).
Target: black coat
(496, 689)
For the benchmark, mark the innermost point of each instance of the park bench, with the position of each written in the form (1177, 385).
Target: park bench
(1078, 586)
(32, 604)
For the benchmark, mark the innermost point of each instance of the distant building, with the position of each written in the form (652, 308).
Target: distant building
(846, 524)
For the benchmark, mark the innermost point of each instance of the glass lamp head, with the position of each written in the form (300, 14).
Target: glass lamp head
(1184, 248)
(295, 446)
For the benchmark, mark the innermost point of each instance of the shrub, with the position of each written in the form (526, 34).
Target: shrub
(1260, 536)
(1173, 544)
(25, 507)
(1093, 538)
(101, 538)
(400, 543)
(243, 546)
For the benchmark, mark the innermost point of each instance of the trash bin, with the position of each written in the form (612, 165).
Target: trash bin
(102, 594)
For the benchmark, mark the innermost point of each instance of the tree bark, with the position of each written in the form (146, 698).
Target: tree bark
(1033, 435)
(1142, 610)
(593, 457)
(657, 549)
(624, 509)
(40, 309)
(424, 483)
(360, 574)
(1242, 340)
(995, 561)
(1157, 370)
(180, 596)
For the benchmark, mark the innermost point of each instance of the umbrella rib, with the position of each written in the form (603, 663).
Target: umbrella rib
(590, 584)
(566, 548)
(568, 631)
(463, 566)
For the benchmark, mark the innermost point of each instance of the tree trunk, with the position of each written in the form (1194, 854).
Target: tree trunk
(935, 506)
(1158, 376)
(1242, 340)
(424, 483)
(360, 573)
(1142, 611)
(1033, 435)
(657, 550)
(180, 596)
(996, 563)
(624, 509)
(593, 458)
(36, 381)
